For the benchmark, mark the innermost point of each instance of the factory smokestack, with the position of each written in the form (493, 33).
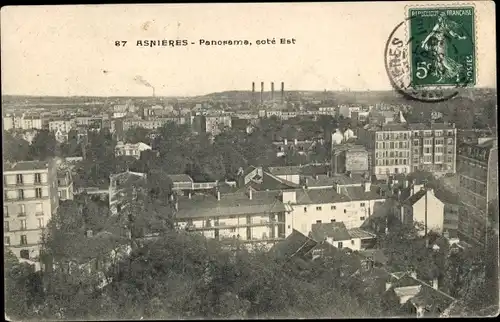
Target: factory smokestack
(253, 91)
(282, 92)
(261, 92)
(153, 92)
(272, 91)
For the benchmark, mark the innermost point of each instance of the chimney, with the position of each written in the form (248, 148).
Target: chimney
(176, 205)
(250, 193)
(90, 233)
(153, 91)
(282, 92)
(368, 186)
(435, 284)
(189, 195)
(261, 92)
(272, 91)
(218, 195)
(286, 141)
(406, 183)
(295, 141)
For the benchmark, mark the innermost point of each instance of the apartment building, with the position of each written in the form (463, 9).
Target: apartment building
(30, 200)
(389, 146)
(477, 167)
(349, 158)
(403, 148)
(64, 125)
(22, 122)
(250, 218)
(65, 185)
(129, 149)
(154, 123)
(215, 124)
(433, 147)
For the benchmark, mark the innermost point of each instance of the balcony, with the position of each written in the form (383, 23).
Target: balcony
(242, 225)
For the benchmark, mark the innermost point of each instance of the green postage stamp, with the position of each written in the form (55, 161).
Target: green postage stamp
(442, 46)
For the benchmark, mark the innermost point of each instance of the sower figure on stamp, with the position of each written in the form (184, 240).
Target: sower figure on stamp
(435, 45)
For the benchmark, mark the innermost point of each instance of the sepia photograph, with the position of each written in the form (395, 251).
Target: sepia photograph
(250, 161)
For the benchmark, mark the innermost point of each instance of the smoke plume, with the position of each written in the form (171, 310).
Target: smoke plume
(142, 81)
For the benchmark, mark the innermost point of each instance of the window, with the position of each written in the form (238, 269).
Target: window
(233, 230)
(38, 178)
(305, 209)
(5, 225)
(19, 178)
(24, 241)
(361, 218)
(333, 207)
(362, 204)
(345, 211)
(6, 240)
(20, 194)
(23, 224)
(38, 209)
(22, 210)
(38, 192)
(41, 224)
(318, 208)
(5, 211)
(339, 245)
(318, 221)
(24, 253)
(352, 242)
(333, 220)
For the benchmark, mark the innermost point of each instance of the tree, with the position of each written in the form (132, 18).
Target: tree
(43, 146)
(137, 134)
(15, 149)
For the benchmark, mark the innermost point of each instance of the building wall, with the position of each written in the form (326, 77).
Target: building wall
(435, 212)
(434, 150)
(392, 153)
(356, 161)
(249, 227)
(353, 214)
(37, 210)
(295, 178)
(354, 244)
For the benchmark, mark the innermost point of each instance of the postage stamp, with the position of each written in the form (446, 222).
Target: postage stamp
(432, 54)
(442, 46)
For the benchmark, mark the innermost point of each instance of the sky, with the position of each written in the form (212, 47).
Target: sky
(70, 50)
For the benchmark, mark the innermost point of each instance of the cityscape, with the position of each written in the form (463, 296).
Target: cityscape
(403, 194)
(250, 161)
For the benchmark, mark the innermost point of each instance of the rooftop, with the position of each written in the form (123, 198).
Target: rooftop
(330, 195)
(180, 178)
(414, 198)
(294, 243)
(282, 171)
(26, 166)
(335, 230)
(230, 204)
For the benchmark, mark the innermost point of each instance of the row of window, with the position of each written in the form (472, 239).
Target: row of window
(23, 241)
(392, 154)
(391, 161)
(334, 220)
(388, 170)
(20, 178)
(6, 228)
(392, 136)
(320, 208)
(21, 195)
(393, 145)
(20, 210)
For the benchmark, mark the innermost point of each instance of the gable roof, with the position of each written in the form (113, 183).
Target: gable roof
(335, 230)
(283, 171)
(230, 204)
(410, 201)
(296, 244)
(180, 178)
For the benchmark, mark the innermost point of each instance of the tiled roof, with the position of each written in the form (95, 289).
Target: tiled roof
(330, 195)
(376, 254)
(416, 197)
(319, 181)
(27, 166)
(344, 179)
(200, 206)
(272, 182)
(360, 233)
(431, 126)
(295, 244)
(180, 178)
(335, 230)
(290, 170)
